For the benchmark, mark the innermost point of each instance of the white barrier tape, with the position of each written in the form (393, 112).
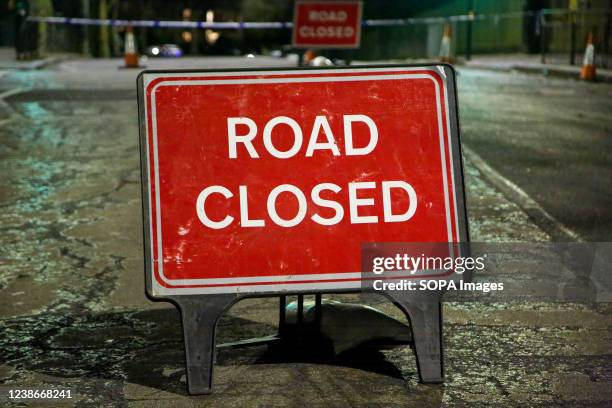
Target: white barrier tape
(240, 25)
(287, 24)
(164, 24)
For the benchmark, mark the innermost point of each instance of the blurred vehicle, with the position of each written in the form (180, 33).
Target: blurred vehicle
(320, 61)
(164, 51)
(252, 54)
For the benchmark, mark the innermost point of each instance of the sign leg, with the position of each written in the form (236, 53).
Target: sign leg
(425, 315)
(282, 316)
(426, 323)
(200, 316)
(300, 310)
(317, 310)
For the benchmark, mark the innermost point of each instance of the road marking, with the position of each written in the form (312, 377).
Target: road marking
(5, 105)
(542, 218)
(11, 92)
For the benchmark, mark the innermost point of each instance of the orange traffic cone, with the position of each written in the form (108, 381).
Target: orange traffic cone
(309, 55)
(588, 64)
(130, 54)
(445, 47)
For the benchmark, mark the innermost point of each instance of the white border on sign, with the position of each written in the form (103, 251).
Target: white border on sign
(345, 280)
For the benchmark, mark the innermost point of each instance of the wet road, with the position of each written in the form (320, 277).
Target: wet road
(72, 304)
(551, 137)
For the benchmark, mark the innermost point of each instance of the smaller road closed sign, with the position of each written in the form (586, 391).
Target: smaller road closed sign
(327, 24)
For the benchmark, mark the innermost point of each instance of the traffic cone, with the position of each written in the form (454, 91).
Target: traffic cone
(587, 72)
(309, 55)
(130, 54)
(445, 47)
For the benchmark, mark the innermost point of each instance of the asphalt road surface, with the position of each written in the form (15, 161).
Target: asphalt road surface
(72, 306)
(551, 137)
(548, 136)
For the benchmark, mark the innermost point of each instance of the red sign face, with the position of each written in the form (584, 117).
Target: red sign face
(327, 24)
(268, 181)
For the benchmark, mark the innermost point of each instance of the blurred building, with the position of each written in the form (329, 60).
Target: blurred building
(507, 26)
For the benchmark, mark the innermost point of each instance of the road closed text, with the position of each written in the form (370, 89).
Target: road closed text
(317, 138)
(327, 24)
(317, 28)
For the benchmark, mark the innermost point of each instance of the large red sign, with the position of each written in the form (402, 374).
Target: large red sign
(267, 181)
(327, 24)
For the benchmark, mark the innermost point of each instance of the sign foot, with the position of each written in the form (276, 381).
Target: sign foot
(199, 316)
(425, 315)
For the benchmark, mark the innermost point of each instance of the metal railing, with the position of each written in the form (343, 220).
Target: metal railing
(563, 35)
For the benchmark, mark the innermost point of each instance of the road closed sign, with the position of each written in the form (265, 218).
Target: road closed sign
(271, 181)
(327, 24)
